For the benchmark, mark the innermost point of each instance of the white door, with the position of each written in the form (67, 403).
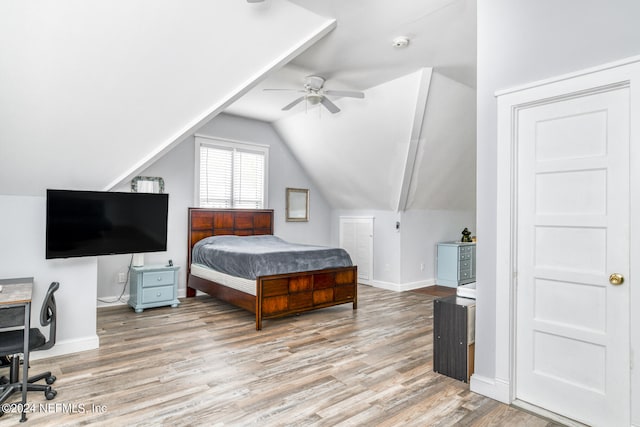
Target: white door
(356, 237)
(572, 324)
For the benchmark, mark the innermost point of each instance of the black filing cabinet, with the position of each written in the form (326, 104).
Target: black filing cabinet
(454, 336)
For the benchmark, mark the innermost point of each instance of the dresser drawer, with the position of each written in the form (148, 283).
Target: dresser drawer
(465, 265)
(157, 294)
(465, 254)
(157, 278)
(465, 274)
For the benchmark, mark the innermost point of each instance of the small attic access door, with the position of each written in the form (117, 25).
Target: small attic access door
(356, 237)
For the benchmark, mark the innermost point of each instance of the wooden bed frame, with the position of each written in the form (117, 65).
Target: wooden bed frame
(276, 295)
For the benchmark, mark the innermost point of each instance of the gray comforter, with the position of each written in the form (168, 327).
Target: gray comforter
(254, 256)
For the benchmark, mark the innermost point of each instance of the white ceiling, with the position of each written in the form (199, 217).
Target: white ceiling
(366, 156)
(359, 54)
(90, 92)
(94, 92)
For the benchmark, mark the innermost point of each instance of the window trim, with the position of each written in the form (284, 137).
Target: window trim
(228, 143)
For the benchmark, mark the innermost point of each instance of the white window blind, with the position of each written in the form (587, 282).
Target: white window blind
(248, 182)
(232, 175)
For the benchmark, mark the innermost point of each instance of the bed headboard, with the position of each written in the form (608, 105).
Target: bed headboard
(205, 222)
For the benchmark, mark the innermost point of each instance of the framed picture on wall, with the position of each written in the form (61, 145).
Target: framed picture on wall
(297, 204)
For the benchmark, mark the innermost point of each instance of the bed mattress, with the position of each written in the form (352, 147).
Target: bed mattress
(244, 285)
(249, 257)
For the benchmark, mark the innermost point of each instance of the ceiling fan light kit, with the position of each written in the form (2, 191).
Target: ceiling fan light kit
(314, 98)
(314, 93)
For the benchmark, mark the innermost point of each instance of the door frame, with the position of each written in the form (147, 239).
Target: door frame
(509, 102)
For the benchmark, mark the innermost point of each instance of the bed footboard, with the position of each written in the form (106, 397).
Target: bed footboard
(285, 294)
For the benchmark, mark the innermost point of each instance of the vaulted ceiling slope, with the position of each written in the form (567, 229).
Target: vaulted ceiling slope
(92, 91)
(359, 157)
(392, 150)
(409, 144)
(444, 174)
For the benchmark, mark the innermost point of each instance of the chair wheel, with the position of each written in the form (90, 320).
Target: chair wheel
(50, 394)
(50, 380)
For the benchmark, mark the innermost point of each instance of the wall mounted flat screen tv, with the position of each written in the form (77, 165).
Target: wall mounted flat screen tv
(88, 223)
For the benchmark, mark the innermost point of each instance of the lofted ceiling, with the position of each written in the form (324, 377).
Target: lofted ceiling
(366, 155)
(94, 92)
(359, 54)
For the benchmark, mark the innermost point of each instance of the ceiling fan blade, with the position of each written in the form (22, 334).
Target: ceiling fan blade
(329, 105)
(347, 93)
(293, 104)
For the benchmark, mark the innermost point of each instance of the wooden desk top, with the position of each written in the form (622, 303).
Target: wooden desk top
(16, 291)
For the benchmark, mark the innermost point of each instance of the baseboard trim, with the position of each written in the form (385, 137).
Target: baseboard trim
(417, 285)
(494, 388)
(400, 287)
(68, 346)
(113, 301)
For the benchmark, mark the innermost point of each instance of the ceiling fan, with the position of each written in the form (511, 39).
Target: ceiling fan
(314, 93)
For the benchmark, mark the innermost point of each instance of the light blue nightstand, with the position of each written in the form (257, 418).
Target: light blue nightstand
(153, 286)
(456, 263)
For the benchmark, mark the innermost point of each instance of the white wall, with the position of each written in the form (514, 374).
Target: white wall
(22, 233)
(518, 42)
(177, 170)
(397, 254)
(421, 230)
(284, 171)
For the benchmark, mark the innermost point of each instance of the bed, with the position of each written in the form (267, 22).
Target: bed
(267, 296)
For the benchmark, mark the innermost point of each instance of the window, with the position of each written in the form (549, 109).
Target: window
(231, 174)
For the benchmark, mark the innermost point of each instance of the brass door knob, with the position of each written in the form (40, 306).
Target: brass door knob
(616, 279)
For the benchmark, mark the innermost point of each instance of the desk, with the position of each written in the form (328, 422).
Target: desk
(17, 293)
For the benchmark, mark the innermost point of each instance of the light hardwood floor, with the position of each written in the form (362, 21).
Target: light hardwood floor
(203, 363)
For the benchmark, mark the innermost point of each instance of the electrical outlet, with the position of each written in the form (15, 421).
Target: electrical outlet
(122, 277)
(422, 266)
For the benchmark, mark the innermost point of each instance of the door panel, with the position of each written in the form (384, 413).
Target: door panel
(356, 237)
(572, 325)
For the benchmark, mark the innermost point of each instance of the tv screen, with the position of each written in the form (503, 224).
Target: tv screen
(88, 223)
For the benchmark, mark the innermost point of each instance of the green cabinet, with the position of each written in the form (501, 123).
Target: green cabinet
(456, 264)
(153, 286)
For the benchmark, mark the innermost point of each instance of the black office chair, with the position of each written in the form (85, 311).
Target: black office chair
(12, 345)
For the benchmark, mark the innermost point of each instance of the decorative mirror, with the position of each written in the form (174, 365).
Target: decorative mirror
(147, 184)
(297, 204)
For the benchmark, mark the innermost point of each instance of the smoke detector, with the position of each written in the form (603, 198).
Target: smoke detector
(400, 42)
